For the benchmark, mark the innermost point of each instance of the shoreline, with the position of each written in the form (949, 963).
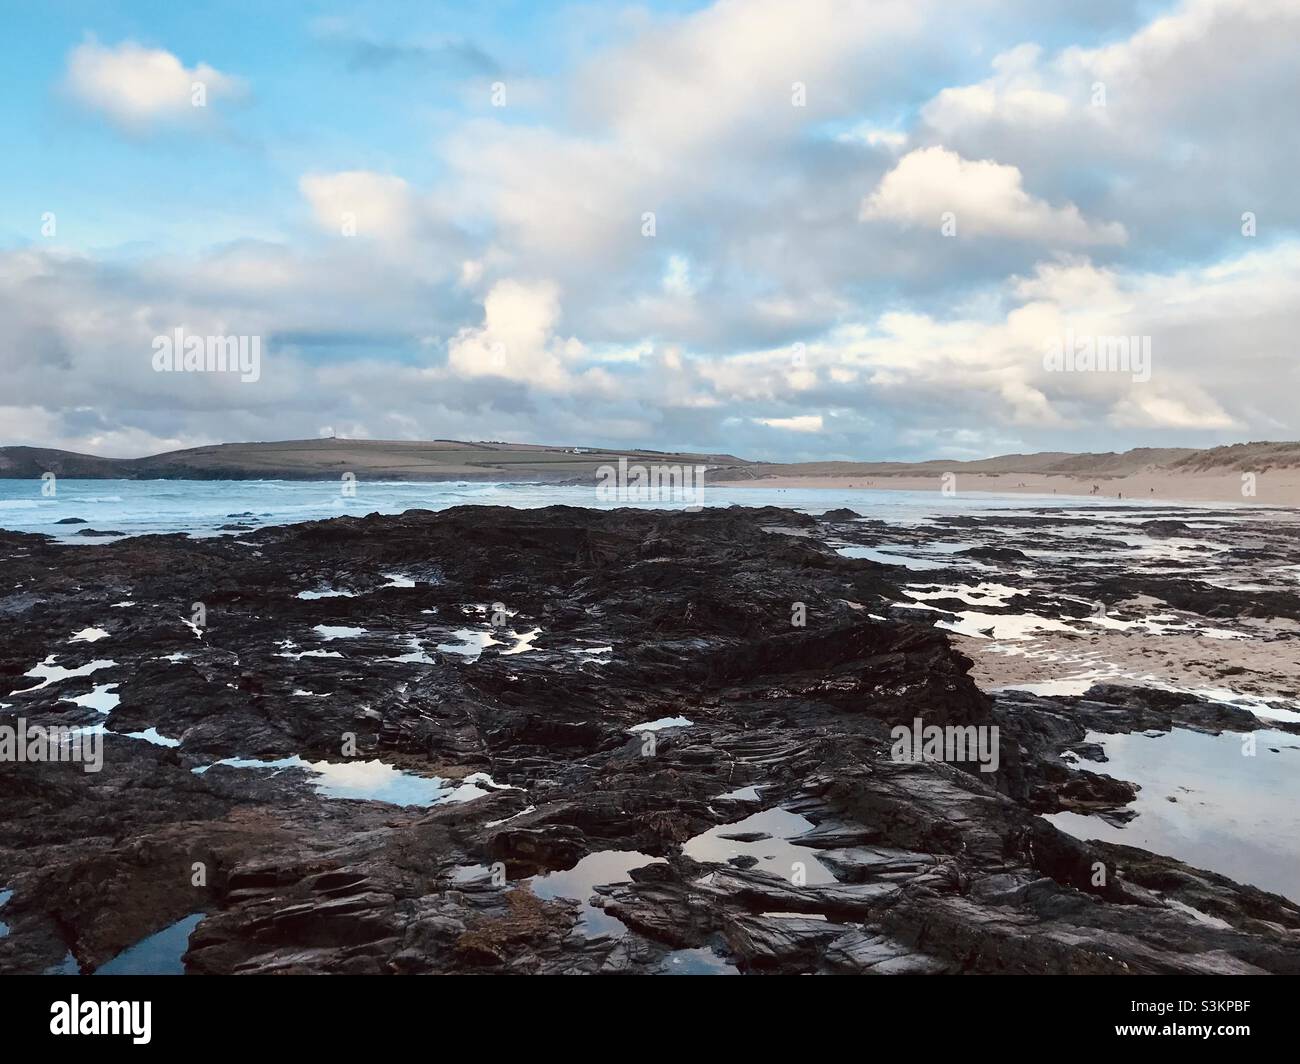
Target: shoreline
(1277, 488)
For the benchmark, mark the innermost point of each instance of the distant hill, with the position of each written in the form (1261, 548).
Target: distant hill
(1047, 462)
(328, 459)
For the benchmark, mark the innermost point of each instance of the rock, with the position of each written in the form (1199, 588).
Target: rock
(891, 867)
(1163, 529)
(996, 554)
(864, 953)
(769, 942)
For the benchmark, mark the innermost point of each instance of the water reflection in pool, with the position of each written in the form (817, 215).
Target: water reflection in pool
(1204, 802)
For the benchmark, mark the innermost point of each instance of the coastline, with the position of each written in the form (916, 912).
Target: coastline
(1253, 474)
(1280, 487)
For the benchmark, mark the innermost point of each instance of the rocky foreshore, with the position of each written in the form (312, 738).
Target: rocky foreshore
(608, 742)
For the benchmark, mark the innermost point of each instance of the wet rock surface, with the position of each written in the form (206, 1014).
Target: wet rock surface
(444, 704)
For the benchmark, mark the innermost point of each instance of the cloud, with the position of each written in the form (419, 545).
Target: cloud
(892, 139)
(136, 87)
(800, 423)
(692, 119)
(1213, 333)
(1165, 128)
(87, 432)
(726, 73)
(501, 285)
(516, 339)
(1168, 411)
(368, 52)
(1014, 96)
(986, 198)
(361, 203)
(75, 355)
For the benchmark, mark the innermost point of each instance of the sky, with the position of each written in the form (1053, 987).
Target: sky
(788, 230)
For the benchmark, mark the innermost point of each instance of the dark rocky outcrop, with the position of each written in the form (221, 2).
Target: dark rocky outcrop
(640, 616)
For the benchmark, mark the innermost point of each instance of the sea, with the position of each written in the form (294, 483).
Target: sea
(201, 507)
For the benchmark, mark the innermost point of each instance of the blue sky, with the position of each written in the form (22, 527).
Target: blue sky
(799, 297)
(310, 108)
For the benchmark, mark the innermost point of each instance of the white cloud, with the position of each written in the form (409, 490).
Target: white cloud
(75, 354)
(361, 203)
(36, 426)
(525, 301)
(137, 86)
(726, 73)
(987, 198)
(1144, 410)
(892, 139)
(1013, 95)
(799, 423)
(677, 121)
(1167, 128)
(1214, 333)
(516, 340)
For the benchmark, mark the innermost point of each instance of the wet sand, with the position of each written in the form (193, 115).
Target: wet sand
(1261, 664)
(1188, 599)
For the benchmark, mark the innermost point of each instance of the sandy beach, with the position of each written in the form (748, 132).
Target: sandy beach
(1279, 487)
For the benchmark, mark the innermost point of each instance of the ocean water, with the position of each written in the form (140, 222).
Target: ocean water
(201, 507)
